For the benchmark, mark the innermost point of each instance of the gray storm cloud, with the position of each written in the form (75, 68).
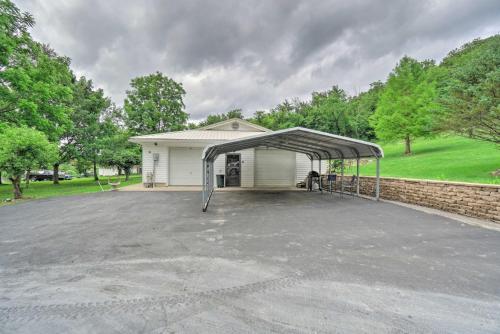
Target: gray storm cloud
(253, 54)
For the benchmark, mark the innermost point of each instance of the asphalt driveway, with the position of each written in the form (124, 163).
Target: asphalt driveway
(289, 262)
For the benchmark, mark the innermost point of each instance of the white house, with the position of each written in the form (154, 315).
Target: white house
(174, 158)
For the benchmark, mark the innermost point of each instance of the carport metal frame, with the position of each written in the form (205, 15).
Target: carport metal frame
(316, 145)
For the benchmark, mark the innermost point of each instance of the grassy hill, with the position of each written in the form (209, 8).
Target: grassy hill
(444, 158)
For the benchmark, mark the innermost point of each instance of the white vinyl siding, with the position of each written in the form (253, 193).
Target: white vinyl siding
(303, 166)
(247, 168)
(185, 166)
(219, 167)
(161, 173)
(274, 168)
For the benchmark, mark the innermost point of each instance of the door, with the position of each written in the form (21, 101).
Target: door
(274, 168)
(233, 169)
(185, 166)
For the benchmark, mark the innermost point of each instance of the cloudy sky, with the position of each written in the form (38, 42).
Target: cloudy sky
(253, 54)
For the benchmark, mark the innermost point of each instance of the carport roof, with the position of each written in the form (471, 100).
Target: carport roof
(315, 144)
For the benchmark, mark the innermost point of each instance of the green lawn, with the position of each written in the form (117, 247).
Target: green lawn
(69, 187)
(448, 158)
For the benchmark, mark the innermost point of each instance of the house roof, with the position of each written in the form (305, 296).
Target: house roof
(216, 131)
(315, 144)
(195, 135)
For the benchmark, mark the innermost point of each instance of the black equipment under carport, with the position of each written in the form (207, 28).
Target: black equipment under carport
(313, 177)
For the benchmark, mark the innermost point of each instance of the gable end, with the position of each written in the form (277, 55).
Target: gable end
(235, 124)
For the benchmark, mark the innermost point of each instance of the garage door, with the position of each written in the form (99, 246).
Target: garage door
(185, 166)
(274, 168)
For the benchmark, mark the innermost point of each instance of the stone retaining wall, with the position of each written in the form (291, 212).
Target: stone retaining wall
(474, 200)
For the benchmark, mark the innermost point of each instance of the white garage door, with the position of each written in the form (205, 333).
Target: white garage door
(185, 166)
(274, 168)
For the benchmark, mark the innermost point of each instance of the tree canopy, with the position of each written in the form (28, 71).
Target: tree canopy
(23, 149)
(216, 118)
(361, 107)
(120, 153)
(470, 83)
(155, 104)
(35, 89)
(330, 111)
(38, 91)
(83, 139)
(14, 26)
(406, 106)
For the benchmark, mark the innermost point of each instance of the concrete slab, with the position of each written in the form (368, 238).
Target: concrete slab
(282, 262)
(260, 189)
(140, 187)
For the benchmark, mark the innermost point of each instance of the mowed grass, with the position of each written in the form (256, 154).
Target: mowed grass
(45, 189)
(449, 158)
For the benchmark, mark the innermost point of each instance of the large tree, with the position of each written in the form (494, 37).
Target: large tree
(216, 118)
(471, 89)
(285, 115)
(155, 104)
(118, 152)
(35, 83)
(35, 90)
(21, 150)
(360, 109)
(408, 103)
(83, 138)
(326, 111)
(329, 112)
(14, 26)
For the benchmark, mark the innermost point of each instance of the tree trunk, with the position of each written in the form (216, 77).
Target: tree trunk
(96, 177)
(119, 171)
(16, 187)
(127, 173)
(407, 145)
(0, 177)
(28, 174)
(55, 177)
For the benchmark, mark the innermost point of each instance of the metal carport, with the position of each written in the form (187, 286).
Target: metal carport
(316, 145)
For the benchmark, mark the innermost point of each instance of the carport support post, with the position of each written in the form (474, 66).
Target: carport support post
(204, 186)
(342, 178)
(357, 177)
(319, 170)
(377, 187)
(212, 185)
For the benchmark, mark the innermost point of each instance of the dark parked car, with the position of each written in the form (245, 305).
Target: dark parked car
(48, 175)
